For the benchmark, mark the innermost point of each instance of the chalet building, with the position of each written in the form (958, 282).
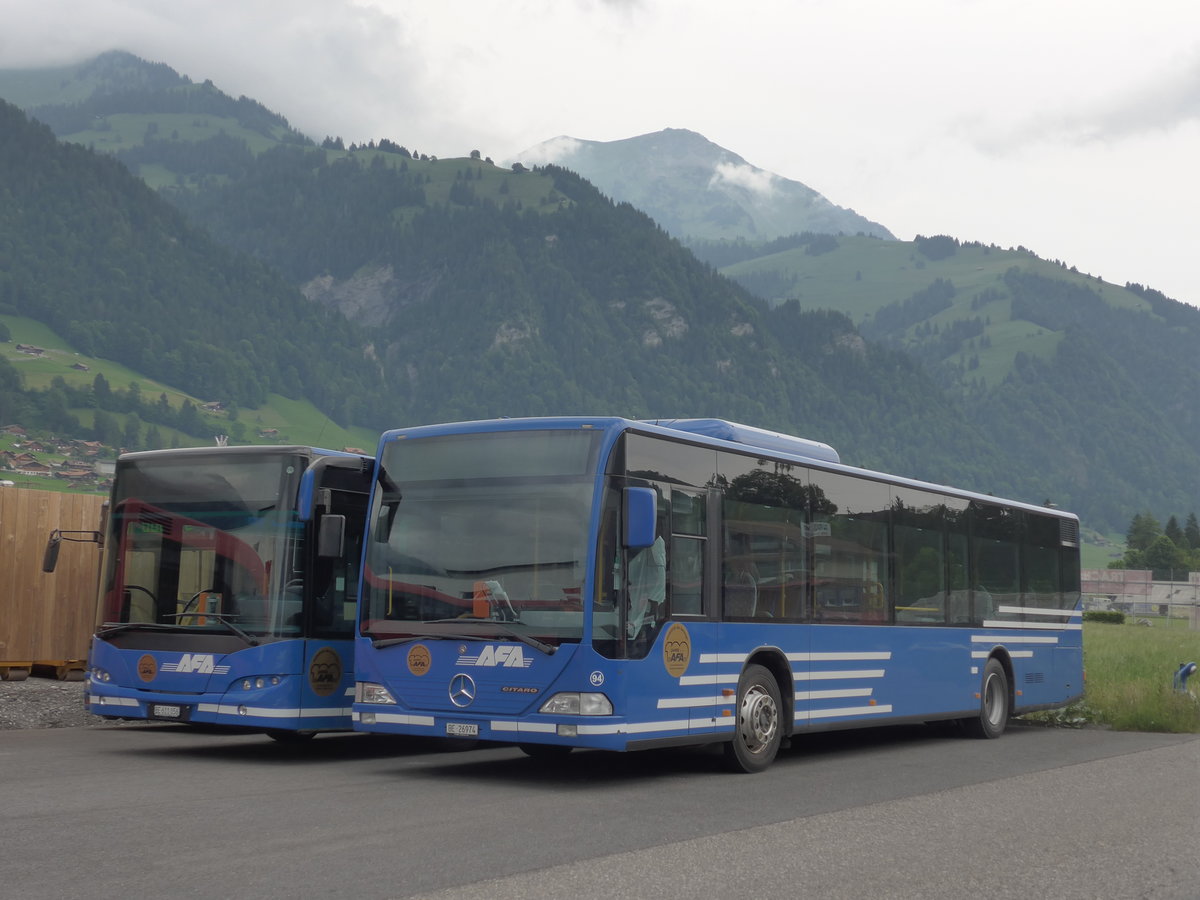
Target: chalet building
(77, 474)
(34, 468)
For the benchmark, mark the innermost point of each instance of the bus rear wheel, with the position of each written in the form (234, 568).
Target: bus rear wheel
(759, 731)
(994, 704)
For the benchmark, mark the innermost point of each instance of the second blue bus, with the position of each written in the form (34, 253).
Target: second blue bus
(228, 589)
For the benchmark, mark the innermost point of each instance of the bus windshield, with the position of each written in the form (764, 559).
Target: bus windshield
(481, 534)
(206, 542)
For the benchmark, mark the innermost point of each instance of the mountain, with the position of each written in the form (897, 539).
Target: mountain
(1079, 378)
(490, 291)
(479, 290)
(698, 190)
(111, 267)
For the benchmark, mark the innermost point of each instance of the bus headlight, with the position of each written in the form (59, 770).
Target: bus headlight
(369, 692)
(572, 703)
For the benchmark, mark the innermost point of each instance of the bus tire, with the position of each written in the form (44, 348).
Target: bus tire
(758, 732)
(994, 704)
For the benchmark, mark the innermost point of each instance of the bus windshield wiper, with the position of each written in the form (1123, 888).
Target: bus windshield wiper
(223, 619)
(548, 649)
(106, 630)
(429, 636)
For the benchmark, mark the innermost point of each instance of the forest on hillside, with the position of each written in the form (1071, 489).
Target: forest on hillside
(121, 274)
(455, 289)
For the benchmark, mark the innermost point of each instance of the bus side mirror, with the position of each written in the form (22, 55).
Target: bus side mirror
(641, 506)
(331, 537)
(50, 557)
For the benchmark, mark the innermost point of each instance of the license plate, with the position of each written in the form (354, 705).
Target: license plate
(166, 711)
(462, 729)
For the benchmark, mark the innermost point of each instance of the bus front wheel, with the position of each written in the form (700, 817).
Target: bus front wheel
(994, 704)
(759, 730)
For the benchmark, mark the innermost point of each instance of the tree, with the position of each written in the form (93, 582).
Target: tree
(1167, 560)
(102, 392)
(1191, 532)
(105, 428)
(1174, 532)
(1143, 531)
(131, 439)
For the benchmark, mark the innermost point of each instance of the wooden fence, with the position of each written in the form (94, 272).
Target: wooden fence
(46, 619)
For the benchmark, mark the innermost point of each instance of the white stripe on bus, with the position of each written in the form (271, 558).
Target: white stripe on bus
(1036, 611)
(849, 673)
(844, 711)
(1012, 639)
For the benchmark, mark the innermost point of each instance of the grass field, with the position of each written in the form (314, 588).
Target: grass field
(296, 421)
(1129, 679)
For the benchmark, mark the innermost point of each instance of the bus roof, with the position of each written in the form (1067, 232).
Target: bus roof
(721, 432)
(244, 449)
(751, 436)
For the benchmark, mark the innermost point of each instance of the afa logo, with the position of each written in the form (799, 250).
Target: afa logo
(196, 664)
(419, 660)
(508, 656)
(677, 650)
(325, 672)
(147, 668)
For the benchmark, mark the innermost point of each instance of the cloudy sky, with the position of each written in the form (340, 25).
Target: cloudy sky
(1071, 127)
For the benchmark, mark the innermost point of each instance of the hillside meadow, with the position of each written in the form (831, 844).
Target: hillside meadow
(295, 421)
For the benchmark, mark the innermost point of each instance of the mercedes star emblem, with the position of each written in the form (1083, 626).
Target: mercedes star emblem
(462, 690)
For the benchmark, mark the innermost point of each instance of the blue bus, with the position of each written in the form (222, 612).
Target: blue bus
(619, 584)
(228, 588)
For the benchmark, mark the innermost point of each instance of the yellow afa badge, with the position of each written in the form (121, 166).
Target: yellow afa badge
(677, 650)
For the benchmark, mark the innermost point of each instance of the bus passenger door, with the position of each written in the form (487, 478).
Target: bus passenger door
(690, 645)
(329, 651)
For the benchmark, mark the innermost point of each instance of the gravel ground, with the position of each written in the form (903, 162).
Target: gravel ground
(44, 703)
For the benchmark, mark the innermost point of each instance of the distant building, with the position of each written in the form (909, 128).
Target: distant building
(1134, 591)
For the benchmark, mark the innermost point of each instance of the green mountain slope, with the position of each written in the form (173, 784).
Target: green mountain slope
(91, 252)
(487, 291)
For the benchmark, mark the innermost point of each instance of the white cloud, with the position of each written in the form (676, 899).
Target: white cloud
(551, 151)
(756, 181)
(1070, 127)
